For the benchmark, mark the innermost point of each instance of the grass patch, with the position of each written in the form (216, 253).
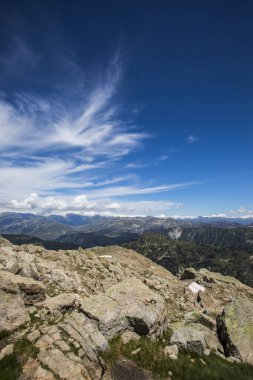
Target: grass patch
(11, 365)
(188, 367)
(4, 334)
(24, 348)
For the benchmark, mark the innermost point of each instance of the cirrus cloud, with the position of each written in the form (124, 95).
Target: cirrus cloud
(67, 153)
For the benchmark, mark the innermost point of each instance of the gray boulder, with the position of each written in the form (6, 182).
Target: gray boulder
(194, 338)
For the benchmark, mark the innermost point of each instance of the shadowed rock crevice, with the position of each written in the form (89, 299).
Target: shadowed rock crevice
(138, 325)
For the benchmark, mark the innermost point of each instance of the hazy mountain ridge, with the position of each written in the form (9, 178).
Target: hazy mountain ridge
(53, 226)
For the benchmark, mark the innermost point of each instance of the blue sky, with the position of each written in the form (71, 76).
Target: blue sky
(126, 108)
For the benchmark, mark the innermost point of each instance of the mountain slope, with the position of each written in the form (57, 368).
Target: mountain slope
(220, 237)
(88, 240)
(177, 255)
(26, 239)
(29, 224)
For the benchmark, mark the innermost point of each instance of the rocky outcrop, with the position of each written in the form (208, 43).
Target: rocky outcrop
(31, 291)
(17, 292)
(66, 306)
(62, 302)
(128, 305)
(235, 329)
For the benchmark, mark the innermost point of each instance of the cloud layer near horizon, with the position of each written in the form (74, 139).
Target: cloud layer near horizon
(82, 205)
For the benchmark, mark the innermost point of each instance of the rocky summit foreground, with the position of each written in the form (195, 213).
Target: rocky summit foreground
(61, 311)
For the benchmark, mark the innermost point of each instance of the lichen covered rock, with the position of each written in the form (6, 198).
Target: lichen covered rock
(129, 304)
(235, 329)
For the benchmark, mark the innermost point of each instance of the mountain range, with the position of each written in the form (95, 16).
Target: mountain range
(53, 226)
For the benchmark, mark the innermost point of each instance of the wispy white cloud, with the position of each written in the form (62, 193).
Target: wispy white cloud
(95, 127)
(137, 190)
(139, 165)
(52, 176)
(136, 165)
(191, 139)
(164, 157)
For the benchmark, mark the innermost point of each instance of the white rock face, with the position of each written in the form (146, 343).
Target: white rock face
(195, 288)
(175, 232)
